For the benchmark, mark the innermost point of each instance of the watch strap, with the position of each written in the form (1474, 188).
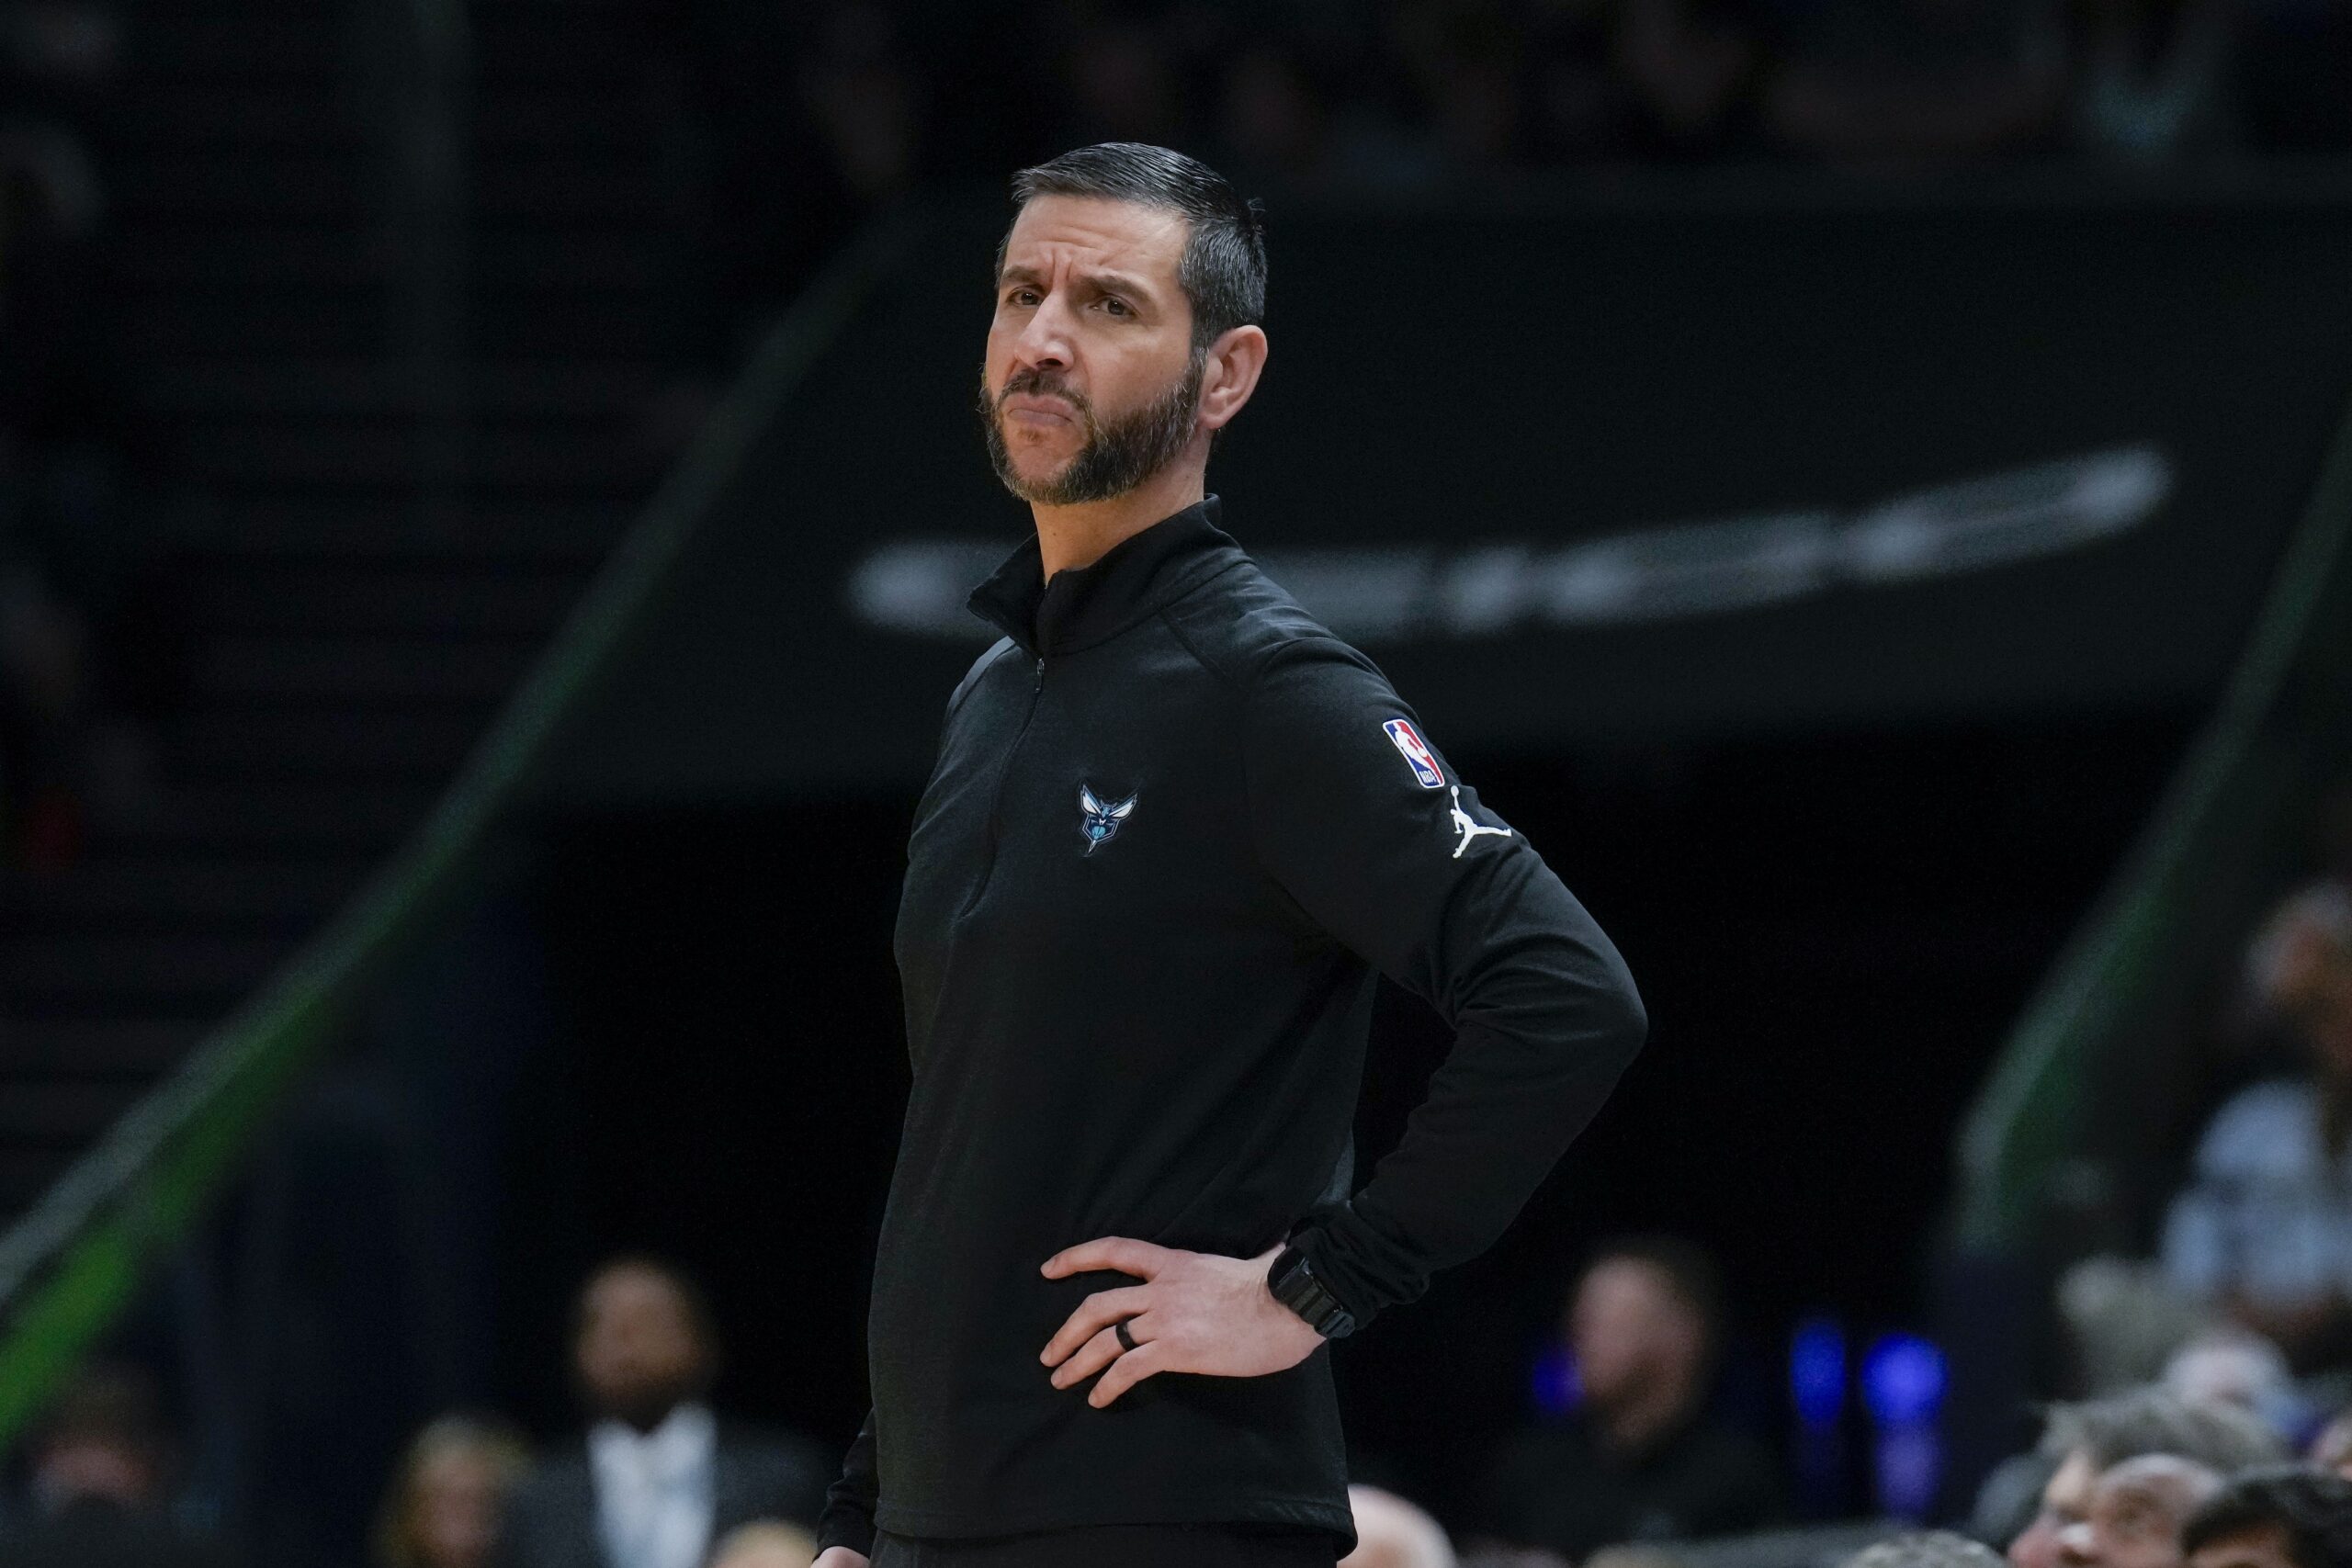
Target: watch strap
(1292, 1279)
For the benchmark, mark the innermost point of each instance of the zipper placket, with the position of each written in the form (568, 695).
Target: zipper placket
(1003, 779)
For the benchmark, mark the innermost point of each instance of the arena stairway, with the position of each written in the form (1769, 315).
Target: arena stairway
(350, 639)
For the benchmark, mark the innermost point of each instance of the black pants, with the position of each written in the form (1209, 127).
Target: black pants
(1119, 1546)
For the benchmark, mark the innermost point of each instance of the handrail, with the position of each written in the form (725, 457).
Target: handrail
(71, 1263)
(2150, 935)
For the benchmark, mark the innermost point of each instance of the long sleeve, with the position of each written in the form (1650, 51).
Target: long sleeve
(850, 1501)
(1378, 840)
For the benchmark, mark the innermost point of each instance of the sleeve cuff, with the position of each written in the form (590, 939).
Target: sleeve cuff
(845, 1526)
(1347, 1254)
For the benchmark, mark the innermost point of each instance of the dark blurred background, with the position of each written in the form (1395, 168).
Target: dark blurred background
(486, 495)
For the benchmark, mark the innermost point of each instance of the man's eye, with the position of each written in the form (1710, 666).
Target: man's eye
(1113, 305)
(1022, 297)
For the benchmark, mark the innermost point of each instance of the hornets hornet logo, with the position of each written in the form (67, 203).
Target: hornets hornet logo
(1101, 823)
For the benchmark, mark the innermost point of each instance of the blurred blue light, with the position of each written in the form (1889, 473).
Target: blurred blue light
(1817, 1371)
(1554, 1387)
(1903, 1381)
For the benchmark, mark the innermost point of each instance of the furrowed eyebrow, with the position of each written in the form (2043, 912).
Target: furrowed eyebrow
(1099, 282)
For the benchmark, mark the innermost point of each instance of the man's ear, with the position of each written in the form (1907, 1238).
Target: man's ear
(1229, 374)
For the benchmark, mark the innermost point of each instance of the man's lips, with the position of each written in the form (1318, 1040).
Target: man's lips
(1028, 408)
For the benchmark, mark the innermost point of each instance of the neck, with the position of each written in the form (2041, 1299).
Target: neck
(646, 1419)
(1080, 535)
(1643, 1417)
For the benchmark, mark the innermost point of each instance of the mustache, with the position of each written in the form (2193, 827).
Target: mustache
(1046, 383)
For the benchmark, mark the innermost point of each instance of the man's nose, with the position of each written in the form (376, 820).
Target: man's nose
(1045, 342)
(2075, 1545)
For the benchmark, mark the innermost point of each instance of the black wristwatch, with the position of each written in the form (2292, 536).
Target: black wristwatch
(1295, 1285)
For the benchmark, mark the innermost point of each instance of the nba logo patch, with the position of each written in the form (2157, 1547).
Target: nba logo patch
(1417, 752)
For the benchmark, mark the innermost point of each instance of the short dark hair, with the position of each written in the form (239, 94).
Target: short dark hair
(2150, 1421)
(1689, 1274)
(1223, 272)
(2313, 1506)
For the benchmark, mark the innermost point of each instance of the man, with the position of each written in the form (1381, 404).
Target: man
(2136, 1512)
(1639, 1459)
(2086, 1440)
(100, 1465)
(2263, 1229)
(659, 1478)
(2281, 1516)
(1174, 830)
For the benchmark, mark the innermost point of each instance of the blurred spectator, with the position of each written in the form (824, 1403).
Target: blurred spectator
(1392, 1533)
(1691, 66)
(2331, 1448)
(1579, 105)
(2228, 1366)
(2264, 1229)
(2086, 1440)
(1908, 81)
(1120, 84)
(445, 1504)
(1925, 1549)
(1463, 61)
(766, 1544)
(659, 1478)
(866, 103)
(2136, 1513)
(2282, 1518)
(2126, 1321)
(1640, 1459)
(805, 120)
(1275, 123)
(2155, 79)
(816, 116)
(100, 1483)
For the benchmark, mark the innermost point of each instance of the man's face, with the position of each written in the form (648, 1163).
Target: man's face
(1090, 385)
(2136, 1512)
(2264, 1548)
(2312, 986)
(1629, 1329)
(456, 1520)
(2066, 1501)
(93, 1467)
(638, 1353)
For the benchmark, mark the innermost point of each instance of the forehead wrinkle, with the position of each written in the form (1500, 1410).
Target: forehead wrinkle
(1116, 282)
(1069, 240)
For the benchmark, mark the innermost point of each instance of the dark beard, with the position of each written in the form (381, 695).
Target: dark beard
(1116, 456)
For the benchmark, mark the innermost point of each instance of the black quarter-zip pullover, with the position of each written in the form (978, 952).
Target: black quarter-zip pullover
(1175, 828)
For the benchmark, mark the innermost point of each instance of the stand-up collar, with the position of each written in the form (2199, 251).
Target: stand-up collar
(1086, 604)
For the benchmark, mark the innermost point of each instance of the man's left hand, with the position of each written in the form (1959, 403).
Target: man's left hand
(1193, 1313)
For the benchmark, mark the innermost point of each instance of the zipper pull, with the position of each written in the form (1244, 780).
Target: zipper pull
(1039, 684)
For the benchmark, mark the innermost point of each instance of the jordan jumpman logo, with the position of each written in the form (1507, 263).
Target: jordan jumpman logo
(1469, 827)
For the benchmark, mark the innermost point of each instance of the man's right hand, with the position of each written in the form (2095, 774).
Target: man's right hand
(838, 1557)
